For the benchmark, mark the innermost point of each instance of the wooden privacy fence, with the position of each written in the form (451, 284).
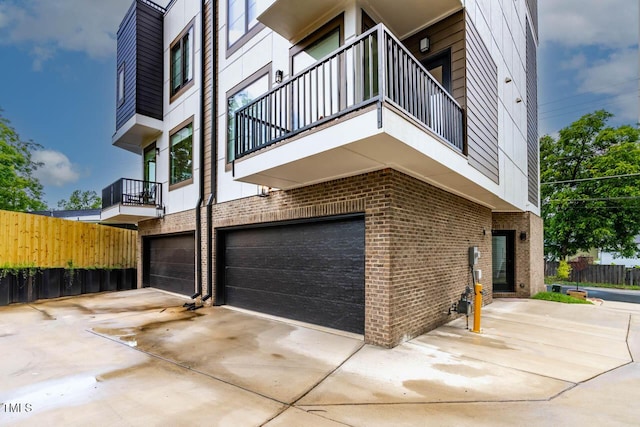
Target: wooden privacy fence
(594, 273)
(46, 242)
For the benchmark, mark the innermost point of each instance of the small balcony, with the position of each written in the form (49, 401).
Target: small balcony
(129, 201)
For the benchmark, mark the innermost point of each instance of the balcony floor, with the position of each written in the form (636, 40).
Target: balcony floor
(125, 214)
(355, 144)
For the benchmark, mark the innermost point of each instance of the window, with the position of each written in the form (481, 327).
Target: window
(242, 20)
(150, 163)
(120, 85)
(181, 154)
(318, 45)
(239, 99)
(181, 60)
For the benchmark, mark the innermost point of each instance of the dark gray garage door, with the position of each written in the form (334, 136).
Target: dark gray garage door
(171, 263)
(313, 272)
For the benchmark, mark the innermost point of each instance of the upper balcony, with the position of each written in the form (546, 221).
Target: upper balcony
(293, 18)
(139, 76)
(129, 201)
(367, 106)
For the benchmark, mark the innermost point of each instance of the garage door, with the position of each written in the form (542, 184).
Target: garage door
(312, 272)
(170, 263)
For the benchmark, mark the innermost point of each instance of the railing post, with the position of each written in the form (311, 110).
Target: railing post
(382, 62)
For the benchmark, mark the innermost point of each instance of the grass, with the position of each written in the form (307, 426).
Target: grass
(553, 281)
(558, 297)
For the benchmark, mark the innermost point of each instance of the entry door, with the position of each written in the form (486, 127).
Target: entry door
(503, 255)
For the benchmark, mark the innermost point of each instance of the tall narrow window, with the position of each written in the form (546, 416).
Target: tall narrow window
(237, 100)
(120, 85)
(181, 58)
(181, 155)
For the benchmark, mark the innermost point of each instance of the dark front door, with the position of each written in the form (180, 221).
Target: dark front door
(503, 255)
(170, 263)
(312, 271)
(439, 66)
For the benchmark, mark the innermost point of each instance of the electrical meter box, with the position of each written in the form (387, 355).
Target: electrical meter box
(474, 256)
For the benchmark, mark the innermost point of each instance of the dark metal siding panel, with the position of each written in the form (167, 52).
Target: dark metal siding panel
(172, 263)
(313, 272)
(149, 58)
(482, 105)
(126, 52)
(533, 150)
(532, 5)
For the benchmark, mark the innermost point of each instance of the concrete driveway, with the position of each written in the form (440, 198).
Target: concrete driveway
(138, 358)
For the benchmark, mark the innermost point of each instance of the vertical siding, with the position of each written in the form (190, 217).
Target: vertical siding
(208, 100)
(448, 33)
(46, 242)
(126, 53)
(532, 5)
(139, 47)
(533, 151)
(149, 55)
(482, 105)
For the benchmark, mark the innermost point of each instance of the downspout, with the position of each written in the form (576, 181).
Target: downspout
(214, 149)
(201, 171)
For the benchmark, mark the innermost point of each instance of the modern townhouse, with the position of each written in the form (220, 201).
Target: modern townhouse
(333, 161)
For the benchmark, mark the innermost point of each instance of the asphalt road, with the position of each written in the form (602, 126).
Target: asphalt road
(606, 294)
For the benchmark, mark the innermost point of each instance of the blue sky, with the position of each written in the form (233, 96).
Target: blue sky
(59, 71)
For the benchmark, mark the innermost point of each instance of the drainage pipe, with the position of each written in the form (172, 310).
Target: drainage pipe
(214, 150)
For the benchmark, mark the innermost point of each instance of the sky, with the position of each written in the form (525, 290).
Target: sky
(58, 65)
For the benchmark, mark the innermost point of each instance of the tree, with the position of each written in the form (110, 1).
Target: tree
(19, 189)
(590, 193)
(81, 200)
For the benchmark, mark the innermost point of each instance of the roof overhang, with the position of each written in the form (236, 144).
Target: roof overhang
(295, 19)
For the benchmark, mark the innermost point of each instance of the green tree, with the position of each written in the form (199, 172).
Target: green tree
(19, 189)
(579, 212)
(81, 200)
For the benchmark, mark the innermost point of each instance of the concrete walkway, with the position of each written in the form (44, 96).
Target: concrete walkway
(137, 358)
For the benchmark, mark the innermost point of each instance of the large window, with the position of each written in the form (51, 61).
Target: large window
(238, 99)
(181, 154)
(181, 62)
(242, 21)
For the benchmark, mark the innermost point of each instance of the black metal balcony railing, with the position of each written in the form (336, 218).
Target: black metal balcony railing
(132, 192)
(359, 74)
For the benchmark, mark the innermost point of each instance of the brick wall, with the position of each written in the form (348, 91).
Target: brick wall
(417, 237)
(431, 233)
(529, 262)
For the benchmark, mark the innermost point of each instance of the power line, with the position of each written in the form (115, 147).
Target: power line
(595, 199)
(600, 99)
(568, 181)
(592, 89)
(581, 107)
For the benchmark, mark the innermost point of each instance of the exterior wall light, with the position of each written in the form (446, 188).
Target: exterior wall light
(507, 79)
(263, 191)
(157, 151)
(523, 235)
(279, 76)
(425, 43)
(518, 100)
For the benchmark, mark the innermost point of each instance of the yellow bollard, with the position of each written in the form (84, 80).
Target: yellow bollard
(477, 307)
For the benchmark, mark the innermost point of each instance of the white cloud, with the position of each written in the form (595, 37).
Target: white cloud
(614, 78)
(57, 169)
(46, 26)
(574, 23)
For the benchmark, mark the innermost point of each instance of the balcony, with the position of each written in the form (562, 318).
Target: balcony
(367, 106)
(129, 201)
